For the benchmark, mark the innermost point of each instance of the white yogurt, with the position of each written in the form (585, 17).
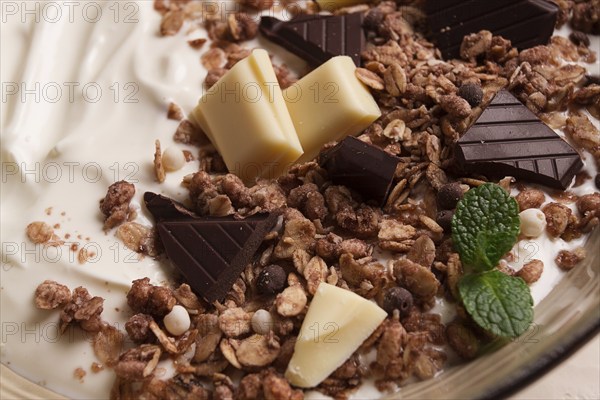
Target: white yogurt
(85, 94)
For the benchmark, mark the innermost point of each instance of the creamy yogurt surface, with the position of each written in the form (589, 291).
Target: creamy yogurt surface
(91, 99)
(85, 92)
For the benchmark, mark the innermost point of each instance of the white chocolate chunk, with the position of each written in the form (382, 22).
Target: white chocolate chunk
(533, 222)
(245, 117)
(336, 324)
(330, 5)
(329, 104)
(262, 322)
(173, 159)
(177, 321)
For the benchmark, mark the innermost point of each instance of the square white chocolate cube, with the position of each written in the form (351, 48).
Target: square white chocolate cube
(329, 104)
(245, 117)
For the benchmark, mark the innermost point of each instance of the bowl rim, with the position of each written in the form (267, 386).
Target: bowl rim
(540, 367)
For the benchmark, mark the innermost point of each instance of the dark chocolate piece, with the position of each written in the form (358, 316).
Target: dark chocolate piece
(163, 208)
(509, 140)
(212, 252)
(526, 23)
(397, 298)
(591, 80)
(449, 195)
(444, 219)
(362, 167)
(472, 93)
(271, 280)
(317, 38)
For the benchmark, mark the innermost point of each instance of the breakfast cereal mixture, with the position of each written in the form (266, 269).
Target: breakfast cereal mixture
(398, 254)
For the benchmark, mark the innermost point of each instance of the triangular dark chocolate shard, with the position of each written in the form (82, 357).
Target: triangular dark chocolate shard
(165, 208)
(212, 252)
(509, 140)
(362, 167)
(317, 38)
(526, 23)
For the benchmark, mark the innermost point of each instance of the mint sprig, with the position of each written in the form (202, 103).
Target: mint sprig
(499, 303)
(485, 226)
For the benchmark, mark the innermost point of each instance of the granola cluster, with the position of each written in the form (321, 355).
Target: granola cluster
(330, 233)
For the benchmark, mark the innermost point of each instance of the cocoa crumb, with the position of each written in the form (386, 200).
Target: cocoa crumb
(250, 387)
(144, 297)
(308, 200)
(557, 218)
(39, 232)
(213, 75)
(83, 309)
(175, 112)
(213, 59)
(276, 387)
(242, 26)
(79, 374)
(138, 328)
(115, 205)
(50, 295)
(567, 260)
(530, 198)
(96, 367)
(187, 133)
(462, 340)
(297, 234)
(83, 255)
(531, 271)
(586, 17)
(172, 22)
(475, 45)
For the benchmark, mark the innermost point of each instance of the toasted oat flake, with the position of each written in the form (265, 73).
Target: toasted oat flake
(369, 78)
(159, 169)
(175, 112)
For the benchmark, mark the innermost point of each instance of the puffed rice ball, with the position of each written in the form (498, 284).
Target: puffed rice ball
(177, 321)
(533, 222)
(173, 159)
(262, 322)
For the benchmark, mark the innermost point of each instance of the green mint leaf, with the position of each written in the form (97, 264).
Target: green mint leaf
(485, 226)
(499, 303)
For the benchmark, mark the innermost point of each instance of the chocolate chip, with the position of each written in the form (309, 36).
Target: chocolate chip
(444, 219)
(592, 80)
(373, 19)
(597, 181)
(271, 280)
(472, 93)
(449, 195)
(579, 38)
(397, 298)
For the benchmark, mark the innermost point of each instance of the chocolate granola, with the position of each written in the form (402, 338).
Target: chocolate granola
(331, 233)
